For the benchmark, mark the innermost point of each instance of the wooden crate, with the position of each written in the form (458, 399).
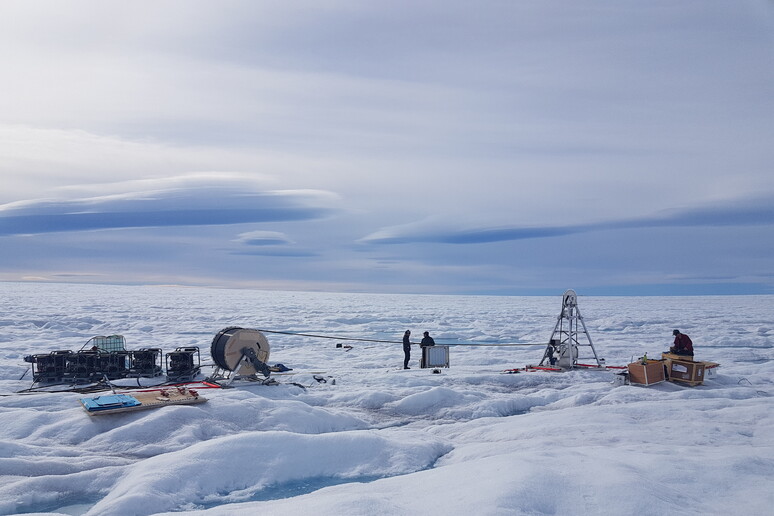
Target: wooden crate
(686, 371)
(646, 374)
(673, 356)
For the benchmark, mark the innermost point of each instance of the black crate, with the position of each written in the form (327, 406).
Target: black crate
(183, 364)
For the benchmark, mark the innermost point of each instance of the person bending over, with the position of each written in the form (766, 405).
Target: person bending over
(682, 344)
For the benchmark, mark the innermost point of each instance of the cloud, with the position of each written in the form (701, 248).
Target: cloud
(263, 238)
(743, 212)
(269, 243)
(194, 200)
(277, 252)
(532, 126)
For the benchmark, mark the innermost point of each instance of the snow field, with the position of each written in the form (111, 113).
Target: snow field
(381, 440)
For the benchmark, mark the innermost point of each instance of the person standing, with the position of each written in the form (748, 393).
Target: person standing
(427, 341)
(406, 349)
(682, 344)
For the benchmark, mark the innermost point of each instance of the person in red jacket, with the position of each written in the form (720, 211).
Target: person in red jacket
(682, 344)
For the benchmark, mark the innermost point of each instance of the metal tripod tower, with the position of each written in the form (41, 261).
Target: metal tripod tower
(568, 336)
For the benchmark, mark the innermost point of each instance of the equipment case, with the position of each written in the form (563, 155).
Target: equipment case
(435, 356)
(646, 374)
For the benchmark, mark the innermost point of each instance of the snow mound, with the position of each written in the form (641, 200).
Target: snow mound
(237, 467)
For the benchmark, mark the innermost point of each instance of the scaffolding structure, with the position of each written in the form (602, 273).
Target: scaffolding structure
(569, 335)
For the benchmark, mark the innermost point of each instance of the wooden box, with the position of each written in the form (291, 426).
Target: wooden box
(686, 371)
(646, 374)
(673, 356)
(683, 369)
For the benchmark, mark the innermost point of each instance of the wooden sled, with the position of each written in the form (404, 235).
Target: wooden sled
(124, 402)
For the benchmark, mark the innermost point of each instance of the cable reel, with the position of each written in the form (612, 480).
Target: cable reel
(239, 352)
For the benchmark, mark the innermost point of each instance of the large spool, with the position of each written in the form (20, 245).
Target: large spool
(229, 343)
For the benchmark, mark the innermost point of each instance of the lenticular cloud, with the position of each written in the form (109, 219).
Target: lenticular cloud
(189, 203)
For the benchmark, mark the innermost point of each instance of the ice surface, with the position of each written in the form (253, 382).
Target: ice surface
(383, 440)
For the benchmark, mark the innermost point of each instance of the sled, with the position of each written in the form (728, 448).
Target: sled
(120, 403)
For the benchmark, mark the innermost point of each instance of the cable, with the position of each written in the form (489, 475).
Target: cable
(359, 339)
(476, 344)
(329, 337)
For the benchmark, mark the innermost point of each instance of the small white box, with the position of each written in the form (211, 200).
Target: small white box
(435, 356)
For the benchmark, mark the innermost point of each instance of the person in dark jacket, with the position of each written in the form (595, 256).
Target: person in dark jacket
(682, 344)
(427, 341)
(406, 349)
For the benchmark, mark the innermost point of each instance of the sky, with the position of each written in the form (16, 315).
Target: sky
(616, 147)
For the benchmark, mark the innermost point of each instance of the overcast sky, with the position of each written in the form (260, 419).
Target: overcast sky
(499, 147)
